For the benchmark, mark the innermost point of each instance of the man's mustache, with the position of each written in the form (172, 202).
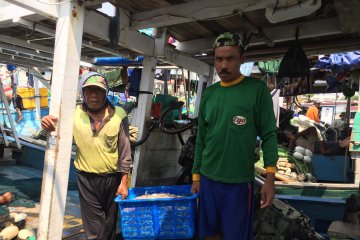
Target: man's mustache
(224, 72)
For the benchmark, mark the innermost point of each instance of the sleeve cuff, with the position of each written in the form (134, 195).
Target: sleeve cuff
(270, 169)
(196, 177)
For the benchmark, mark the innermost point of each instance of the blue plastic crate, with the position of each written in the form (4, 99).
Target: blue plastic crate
(165, 218)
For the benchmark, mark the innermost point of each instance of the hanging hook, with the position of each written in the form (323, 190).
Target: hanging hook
(297, 33)
(27, 35)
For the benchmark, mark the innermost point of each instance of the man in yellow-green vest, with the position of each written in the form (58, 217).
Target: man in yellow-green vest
(101, 133)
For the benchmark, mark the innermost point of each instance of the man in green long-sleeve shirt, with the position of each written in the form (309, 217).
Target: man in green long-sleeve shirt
(232, 114)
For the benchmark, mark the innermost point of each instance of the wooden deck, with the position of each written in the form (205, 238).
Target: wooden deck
(72, 220)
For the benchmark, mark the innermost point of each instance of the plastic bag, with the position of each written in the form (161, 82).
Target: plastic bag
(295, 63)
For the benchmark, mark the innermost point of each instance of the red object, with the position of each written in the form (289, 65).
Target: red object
(155, 110)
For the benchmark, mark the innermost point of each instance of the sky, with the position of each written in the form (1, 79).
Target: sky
(108, 9)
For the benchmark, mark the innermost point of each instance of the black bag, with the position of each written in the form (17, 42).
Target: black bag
(295, 63)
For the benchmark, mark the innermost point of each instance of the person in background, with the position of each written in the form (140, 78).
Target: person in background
(308, 139)
(102, 162)
(233, 112)
(313, 111)
(340, 123)
(18, 105)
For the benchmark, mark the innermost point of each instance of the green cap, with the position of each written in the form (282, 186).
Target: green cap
(230, 39)
(96, 80)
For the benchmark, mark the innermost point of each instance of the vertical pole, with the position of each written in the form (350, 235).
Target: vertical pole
(188, 95)
(348, 107)
(200, 89)
(202, 80)
(69, 30)
(143, 111)
(357, 155)
(37, 96)
(213, 77)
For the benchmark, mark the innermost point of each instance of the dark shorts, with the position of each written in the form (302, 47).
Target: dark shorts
(226, 209)
(18, 103)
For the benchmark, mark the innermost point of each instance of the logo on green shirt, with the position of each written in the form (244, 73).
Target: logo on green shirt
(239, 120)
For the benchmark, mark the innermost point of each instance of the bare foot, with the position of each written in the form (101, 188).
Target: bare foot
(6, 198)
(19, 120)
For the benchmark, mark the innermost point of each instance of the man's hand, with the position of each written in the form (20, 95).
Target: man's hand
(123, 190)
(48, 123)
(195, 188)
(268, 191)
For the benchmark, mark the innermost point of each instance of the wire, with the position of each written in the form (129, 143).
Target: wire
(188, 17)
(59, 3)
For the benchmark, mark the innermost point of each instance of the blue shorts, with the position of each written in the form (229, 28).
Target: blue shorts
(226, 209)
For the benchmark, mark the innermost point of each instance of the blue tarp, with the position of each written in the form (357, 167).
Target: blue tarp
(116, 61)
(340, 62)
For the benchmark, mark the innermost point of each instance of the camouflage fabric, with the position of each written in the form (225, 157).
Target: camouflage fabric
(96, 80)
(116, 77)
(230, 39)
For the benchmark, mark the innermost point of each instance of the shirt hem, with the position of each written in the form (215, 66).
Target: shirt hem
(227, 180)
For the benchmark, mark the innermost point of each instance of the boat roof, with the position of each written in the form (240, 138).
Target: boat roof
(327, 26)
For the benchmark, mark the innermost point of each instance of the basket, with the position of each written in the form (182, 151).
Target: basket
(165, 218)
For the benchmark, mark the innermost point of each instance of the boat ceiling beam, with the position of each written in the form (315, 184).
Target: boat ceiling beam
(97, 25)
(23, 61)
(50, 32)
(94, 3)
(12, 11)
(47, 10)
(26, 44)
(100, 48)
(33, 26)
(28, 57)
(316, 28)
(194, 11)
(27, 51)
(348, 12)
(325, 46)
(309, 48)
(178, 58)
(168, 54)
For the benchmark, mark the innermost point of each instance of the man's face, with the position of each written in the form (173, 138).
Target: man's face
(94, 97)
(227, 62)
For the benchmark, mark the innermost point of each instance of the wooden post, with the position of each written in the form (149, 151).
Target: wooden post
(143, 110)
(69, 30)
